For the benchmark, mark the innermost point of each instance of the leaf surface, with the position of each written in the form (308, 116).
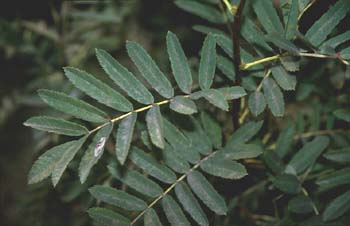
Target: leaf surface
(334, 179)
(207, 63)
(124, 78)
(117, 198)
(257, 103)
(72, 106)
(242, 151)
(97, 89)
(175, 160)
(206, 192)
(287, 183)
(233, 92)
(226, 67)
(190, 203)
(179, 63)
(244, 133)
(339, 155)
(213, 96)
(308, 154)
(46, 164)
(292, 22)
(283, 78)
(183, 105)
(274, 97)
(94, 152)
(66, 157)
(342, 114)
(337, 207)
(282, 43)
(56, 125)
(107, 217)
(124, 136)
(267, 16)
(202, 10)
(300, 204)
(136, 181)
(151, 166)
(285, 139)
(155, 126)
(220, 166)
(151, 218)
(149, 69)
(173, 212)
(212, 129)
(328, 21)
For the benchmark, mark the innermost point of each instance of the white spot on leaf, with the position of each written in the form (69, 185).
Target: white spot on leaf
(99, 146)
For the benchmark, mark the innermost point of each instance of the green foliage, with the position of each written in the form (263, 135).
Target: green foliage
(72, 106)
(190, 203)
(274, 97)
(208, 63)
(182, 113)
(149, 69)
(124, 78)
(179, 64)
(124, 137)
(56, 125)
(324, 26)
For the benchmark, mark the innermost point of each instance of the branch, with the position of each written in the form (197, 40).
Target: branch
(171, 187)
(306, 8)
(120, 117)
(237, 59)
(245, 66)
(320, 132)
